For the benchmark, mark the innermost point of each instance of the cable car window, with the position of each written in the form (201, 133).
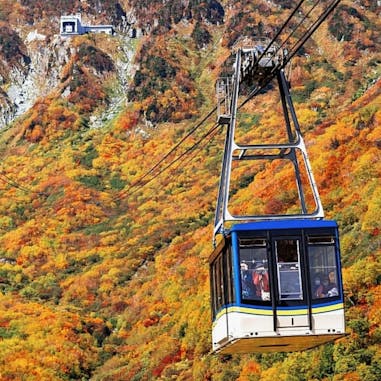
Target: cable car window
(221, 280)
(323, 268)
(219, 299)
(288, 266)
(229, 276)
(254, 269)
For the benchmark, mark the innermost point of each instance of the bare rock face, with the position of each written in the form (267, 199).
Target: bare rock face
(7, 109)
(37, 71)
(14, 65)
(33, 78)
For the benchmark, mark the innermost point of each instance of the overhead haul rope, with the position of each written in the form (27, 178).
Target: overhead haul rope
(298, 25)
(138, 184)
(273, 41)
(7, 180)
(322, 17)
(141, 183)
(211, 135)
(311, 29)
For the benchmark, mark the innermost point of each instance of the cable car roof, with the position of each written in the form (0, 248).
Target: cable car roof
(284, 225)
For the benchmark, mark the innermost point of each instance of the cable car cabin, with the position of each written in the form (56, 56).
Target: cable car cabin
(276, 287)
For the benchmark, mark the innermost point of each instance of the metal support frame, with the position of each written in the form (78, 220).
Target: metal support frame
(288, 150)
(223, 92)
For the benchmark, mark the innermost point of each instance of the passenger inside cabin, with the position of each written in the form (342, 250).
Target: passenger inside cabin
(332, 278)
(248, 290)
(318, 288)
(332, 289)
(326, 288)
(261, 282)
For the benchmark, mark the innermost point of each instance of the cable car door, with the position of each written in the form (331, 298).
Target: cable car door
(289, 285)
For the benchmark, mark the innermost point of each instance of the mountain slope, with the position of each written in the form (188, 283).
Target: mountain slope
(103, 278)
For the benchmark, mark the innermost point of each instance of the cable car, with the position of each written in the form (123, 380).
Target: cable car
(276, 281)
(276, 286)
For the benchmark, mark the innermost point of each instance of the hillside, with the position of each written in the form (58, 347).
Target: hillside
(103, 268)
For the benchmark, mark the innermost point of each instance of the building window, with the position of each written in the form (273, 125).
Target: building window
(69, 27)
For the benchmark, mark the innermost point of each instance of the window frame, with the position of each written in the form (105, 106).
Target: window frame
(297, 265)
(324, 270)
(221, 278)
(262, 242)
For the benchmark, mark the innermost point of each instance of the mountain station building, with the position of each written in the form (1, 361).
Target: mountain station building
(71, 25)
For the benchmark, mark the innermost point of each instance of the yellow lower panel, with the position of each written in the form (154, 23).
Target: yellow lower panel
(276, 344)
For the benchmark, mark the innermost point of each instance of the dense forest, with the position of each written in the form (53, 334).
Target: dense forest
(103, 260)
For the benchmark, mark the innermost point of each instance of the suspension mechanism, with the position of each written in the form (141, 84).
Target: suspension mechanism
(254, 66)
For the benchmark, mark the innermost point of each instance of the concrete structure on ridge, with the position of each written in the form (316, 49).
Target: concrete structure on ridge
(71, 25)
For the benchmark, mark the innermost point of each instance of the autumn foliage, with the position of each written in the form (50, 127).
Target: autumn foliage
(104, 260)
